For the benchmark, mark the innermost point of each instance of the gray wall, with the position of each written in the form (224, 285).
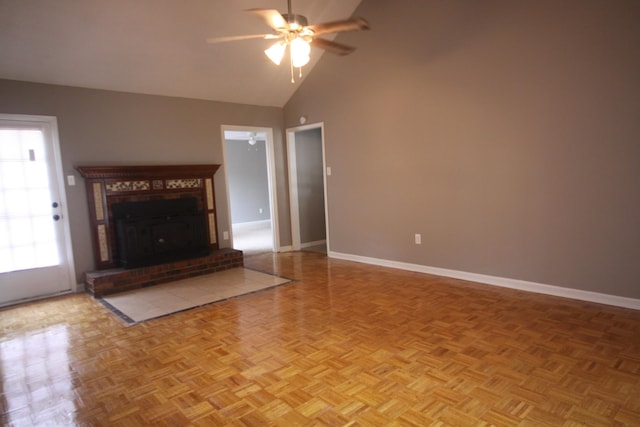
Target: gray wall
(506, 133)
(310, 185)
(104, 127)
(248, 181)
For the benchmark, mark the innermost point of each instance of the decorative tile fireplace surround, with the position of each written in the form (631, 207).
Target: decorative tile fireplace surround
(109, 185)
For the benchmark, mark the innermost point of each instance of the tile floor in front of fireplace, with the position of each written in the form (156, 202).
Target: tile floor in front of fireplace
(160, 300)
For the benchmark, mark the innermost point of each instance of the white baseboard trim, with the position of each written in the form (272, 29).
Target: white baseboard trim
(285, 248)
(310, 244)
(522, 285)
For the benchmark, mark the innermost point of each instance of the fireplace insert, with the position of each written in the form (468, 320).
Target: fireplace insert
(158, 231)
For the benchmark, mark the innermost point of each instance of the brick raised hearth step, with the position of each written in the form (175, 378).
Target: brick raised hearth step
(104, 282)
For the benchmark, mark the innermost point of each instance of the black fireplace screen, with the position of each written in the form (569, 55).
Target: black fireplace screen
(158, 231)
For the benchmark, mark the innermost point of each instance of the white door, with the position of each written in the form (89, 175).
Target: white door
(34, 250)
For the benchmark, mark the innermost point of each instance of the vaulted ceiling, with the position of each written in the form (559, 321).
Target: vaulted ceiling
(154, 46)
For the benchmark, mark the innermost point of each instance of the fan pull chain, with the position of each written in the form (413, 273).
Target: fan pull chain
(291, 65)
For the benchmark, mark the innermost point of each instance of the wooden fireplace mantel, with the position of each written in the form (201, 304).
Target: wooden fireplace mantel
(151, 171)
(115, 184)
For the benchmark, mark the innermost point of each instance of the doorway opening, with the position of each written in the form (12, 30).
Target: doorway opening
(249, 167)
(308, 188)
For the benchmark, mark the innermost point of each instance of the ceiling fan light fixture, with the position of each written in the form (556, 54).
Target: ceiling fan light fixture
(293, 31)
(276, 52)
(300, 50)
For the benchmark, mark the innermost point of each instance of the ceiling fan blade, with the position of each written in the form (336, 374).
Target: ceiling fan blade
(271, 16)
(333, 47)
(247, 37)
(353, 24)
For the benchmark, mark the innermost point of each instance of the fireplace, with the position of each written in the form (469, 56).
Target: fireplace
(151, 225)
(134, 200)
(158, 231)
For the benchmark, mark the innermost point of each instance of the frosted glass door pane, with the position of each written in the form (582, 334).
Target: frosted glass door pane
(27, 230)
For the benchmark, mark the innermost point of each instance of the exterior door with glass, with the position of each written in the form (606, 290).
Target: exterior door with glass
(34, 234)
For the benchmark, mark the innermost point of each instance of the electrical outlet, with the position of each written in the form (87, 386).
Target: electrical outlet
(225, 235)
(260, 210)
(418, 238)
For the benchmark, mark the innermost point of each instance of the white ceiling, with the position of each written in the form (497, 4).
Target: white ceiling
(154, 46)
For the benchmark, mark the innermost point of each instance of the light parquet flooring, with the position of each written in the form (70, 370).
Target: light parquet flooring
(346, 344)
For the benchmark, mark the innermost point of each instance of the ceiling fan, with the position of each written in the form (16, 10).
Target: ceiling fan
(293, 31)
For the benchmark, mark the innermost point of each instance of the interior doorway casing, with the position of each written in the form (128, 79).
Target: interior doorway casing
(293, 183)
(271, 179)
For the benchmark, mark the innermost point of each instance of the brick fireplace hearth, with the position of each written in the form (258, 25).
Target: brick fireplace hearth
(104, 282)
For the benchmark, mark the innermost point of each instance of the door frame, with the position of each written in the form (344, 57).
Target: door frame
(271, 179)
(293, 183)
(50, 126)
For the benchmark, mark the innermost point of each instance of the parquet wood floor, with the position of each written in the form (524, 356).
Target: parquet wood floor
(346, 344)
